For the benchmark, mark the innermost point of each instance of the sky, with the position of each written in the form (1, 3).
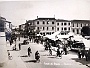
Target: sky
(18, 11)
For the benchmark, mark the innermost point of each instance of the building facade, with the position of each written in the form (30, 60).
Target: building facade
(45, 25)
(76, 25)
(50, 25)
(64, 26)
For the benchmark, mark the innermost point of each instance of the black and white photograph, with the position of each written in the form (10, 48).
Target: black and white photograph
(44, 33)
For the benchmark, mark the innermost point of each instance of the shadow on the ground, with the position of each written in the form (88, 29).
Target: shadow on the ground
(52, 57)
(24, 56)
(34, 61)
(82, 60)
(48, 55)
(13, 50)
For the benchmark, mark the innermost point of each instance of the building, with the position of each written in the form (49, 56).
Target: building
(30, 28)
(64, 26)
(45, 25)
(3, 49)
(22, 27)
(76, 25)
(50, 25)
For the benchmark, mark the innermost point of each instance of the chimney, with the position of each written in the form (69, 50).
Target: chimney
(26, 21)
(37, 17)
(54, 16)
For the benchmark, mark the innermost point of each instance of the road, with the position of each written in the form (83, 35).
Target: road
(47, 61)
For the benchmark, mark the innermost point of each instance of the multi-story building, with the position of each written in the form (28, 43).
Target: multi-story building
(51, 25)
(76, 25)
(3, 37)
(64, 26)
(45, 25)
(22, 27)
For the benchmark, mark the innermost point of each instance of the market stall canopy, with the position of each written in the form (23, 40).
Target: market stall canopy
(86, 43)
(39, 35)
(63, 36)
(77, 38)
(52, 36)
(71, 34)
(56, 33)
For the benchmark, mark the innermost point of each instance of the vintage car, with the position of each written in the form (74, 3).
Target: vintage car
(77, 45)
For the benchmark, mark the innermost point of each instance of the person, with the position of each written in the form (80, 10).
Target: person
(79, 53)
(9, 56)
(58, 46)
(58, 52)
(50, 51)
(29, 51)
(65, 50)
(19, 46)
(86, 55)
(83, 52)
(61, 50)
(89, 54)
(49, 46)
(37, 56)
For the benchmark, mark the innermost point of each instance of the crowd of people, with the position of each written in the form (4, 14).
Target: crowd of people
(61, 48)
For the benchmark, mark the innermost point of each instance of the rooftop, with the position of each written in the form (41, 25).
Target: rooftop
(80, 20)
(62, 20)
(45, 19)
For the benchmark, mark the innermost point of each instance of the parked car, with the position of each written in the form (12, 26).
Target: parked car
(77, 45)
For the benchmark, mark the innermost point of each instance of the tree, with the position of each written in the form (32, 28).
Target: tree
(85, 31)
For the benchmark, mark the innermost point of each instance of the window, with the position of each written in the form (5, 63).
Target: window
(69, 23)
(62, 28)
(37, 22)
(47, 28)
(73, 25)
(52, 32)
(57, 29)
(43, 28)
(77, 31)
(2, 26)
(47, 22)
(85, 24)
(65, 23)
(77, 24)
(57, 23)
(81, 25)
(65, 28)
(73, 30)
(43, 22)
(62, 24)
(52, 28)
(44, 34)
(88, 24)
(37, 28)
(41, 33)
(47, 33)
(52, 22)
(68, 28)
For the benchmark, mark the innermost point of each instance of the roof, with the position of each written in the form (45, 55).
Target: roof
(8, 21)
(45, 19)
(2, 18)
(80, 21)
(62, 20)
